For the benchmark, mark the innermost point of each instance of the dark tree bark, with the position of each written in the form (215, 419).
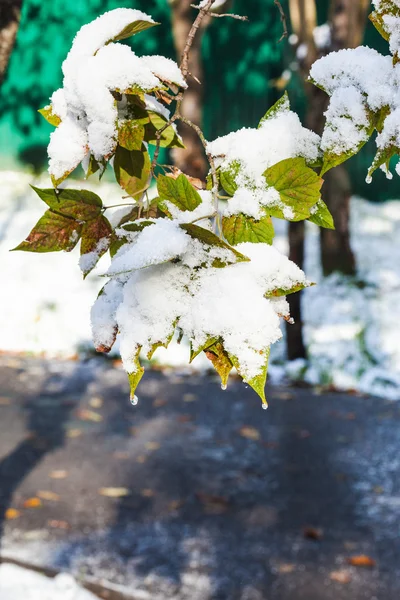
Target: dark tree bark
(10, 13)
(191, 160)
(347, 20)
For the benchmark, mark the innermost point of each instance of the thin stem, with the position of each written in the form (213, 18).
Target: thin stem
(118, 205)
(203, 12)
(283, 20)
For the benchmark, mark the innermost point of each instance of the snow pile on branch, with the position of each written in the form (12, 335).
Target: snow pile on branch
(236, 303)
(246, 154)
(96, 66)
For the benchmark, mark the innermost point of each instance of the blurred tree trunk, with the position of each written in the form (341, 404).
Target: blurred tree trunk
(191, 160)
(10, 13)
(347, 20)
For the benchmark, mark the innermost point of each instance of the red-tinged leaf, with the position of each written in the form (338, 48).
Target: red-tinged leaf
(52, 233)
(361, 560)
(96, 239)
(81, 205)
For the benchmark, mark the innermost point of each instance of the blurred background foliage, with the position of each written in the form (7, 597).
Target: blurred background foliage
(243, 66)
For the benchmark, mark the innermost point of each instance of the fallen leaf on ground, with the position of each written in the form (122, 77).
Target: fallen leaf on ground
(12, 513)
(58, 474)
(152, 445)
(284, 395)
(141, 459)
(56, 524)
(89, 415)
(304, 434)
(313, 533)
(114, 492)
(133, 430)
(286, 568)
(213, 504)
(175, 504)
(251, 433)
(351, 416)
(184, 418)
(121, 455)
(189, 397)
(47, 495)
(73, 433)
(4, 400)
(341, 576)
(32, 503)
(361, 560)
(96, 402)
(147, 493)
(378, 489)
(159, 402)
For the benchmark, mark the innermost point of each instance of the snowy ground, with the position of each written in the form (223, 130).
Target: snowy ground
(351, 328)
(20, 584)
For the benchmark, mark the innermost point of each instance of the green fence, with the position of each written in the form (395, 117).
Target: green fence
(240, 61)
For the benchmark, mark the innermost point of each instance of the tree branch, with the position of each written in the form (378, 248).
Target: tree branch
(283, 20)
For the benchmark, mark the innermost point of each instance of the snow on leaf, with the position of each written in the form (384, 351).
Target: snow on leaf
(179, 192)
(81, 205)
(210, 239)
(281, 106)
(298, 186)
(53, 232)
(257, 382)
(209, 342)
(96, 237)
(241, 228)
(321, 216)
(132, 170)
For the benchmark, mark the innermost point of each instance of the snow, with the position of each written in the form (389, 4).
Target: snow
(17, 583)
(92, 70)
(351, 330)
(87, 261)
(249, 152)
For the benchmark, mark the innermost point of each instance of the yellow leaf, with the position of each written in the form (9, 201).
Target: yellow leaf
(250, 433)
(361, 560)
(58, 474)
(73, 433)
(152, 445)
(89, 415)
(12, 513)
(96, 402)
(114, 492)
(32, 503)
(46, 495)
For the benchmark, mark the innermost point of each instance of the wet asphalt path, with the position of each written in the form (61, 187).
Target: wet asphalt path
(207, 497)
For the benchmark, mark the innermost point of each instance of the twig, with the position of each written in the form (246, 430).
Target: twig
(232, 15)
(203, 12)
(283, 20)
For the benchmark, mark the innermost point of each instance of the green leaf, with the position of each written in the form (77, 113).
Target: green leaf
(168, 138)
(94, 233)
(220, 360)
(228, 178)
(94, 166)
(130, 135)
(47, 113)
(210, 239)
(52, 233)
(132, 170)
(161, 344)
(297, 287)
(81, 205)
(135, 376)
(259, 381)
(209, 342)
(179, 192)
(321, 216)
(281, 106)
(132, 29)
(241, 228)
(298, 186)
(382, 157)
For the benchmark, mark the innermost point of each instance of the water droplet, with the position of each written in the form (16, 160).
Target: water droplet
(265, 406)
(223, 386)
(134, 400)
